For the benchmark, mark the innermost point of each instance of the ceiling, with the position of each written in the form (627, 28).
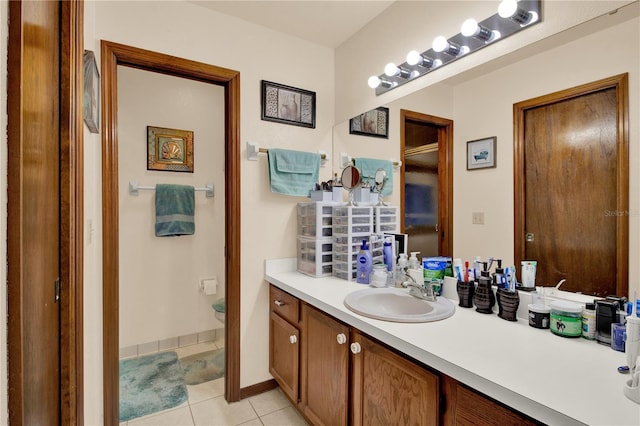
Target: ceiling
(327, 23)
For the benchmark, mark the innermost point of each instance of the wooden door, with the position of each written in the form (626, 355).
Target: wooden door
(574, 184)
(34, 213)
(324, 369)
(426, 182)
(389, 390)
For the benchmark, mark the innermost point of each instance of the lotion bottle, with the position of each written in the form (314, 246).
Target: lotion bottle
(387, 252)
(365, 264)
(414, 269)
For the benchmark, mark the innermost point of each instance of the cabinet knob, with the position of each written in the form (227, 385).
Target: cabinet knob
(293, 339)
(341, 338)
(278, 302)
(355, 348)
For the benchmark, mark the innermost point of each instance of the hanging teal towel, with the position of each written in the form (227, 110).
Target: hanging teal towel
(293, 172)
(368, 168)
(175, 207)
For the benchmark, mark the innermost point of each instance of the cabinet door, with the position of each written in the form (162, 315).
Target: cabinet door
(284, 354)
(390, 390)
(324, 368)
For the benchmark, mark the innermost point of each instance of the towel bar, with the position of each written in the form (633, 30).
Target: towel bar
(345, 160)
(134, 188)
(253, 150)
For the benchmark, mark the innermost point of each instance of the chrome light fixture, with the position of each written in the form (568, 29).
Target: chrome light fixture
(513, 16)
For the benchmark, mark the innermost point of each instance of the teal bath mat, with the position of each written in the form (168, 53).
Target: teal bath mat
(150, 384)
(202, 367)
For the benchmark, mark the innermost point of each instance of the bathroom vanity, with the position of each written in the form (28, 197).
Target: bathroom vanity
(339, 367)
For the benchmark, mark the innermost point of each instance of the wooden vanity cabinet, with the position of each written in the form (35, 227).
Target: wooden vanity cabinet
(324, 365)
(387, 389)
(284, 341)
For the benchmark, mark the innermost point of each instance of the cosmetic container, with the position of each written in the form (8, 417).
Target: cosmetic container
(566, 318)
(539, 316)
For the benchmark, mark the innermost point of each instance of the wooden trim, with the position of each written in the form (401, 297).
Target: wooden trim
(112, 55)
(445, 174)
(258, 388)
(72, 212)
(621, 84)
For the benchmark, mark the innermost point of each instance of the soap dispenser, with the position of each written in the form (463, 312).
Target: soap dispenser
(414, 269)
(484, 298)
(400, 271)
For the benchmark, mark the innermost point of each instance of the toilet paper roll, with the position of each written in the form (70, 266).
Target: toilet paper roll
(209, 286)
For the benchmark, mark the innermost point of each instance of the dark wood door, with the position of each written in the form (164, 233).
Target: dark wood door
(571, 171)
(325, 368)
(284, 355)
(34, 213)
(387, 389)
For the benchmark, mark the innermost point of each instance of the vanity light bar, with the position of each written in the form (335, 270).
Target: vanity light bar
(513, 16)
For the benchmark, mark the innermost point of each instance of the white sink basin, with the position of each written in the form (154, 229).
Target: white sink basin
(395, 304)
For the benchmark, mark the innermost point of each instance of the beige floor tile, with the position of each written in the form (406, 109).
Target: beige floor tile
(206, 390)
(268, 402)
(195, 349)
(285, 417)
(217, 411)
(176, 417)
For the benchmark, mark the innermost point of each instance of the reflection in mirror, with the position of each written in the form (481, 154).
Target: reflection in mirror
(350, 180)
(378, 185)
(553, 64)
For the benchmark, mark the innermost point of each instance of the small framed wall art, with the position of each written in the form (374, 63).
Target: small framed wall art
(91, 96)
(481, 153)
(169, 149)
(372, 123)
(288, 105)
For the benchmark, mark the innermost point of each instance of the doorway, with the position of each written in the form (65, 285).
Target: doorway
(426, 183)
(571, 177)
(44, 213)
(112, 55)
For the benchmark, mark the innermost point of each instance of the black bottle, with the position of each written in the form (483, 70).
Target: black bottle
(484, 298)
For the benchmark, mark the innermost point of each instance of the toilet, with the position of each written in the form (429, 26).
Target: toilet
(219, 308)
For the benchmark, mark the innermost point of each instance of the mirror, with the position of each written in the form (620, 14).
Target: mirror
(480, 102)
(378, 185)
(350, 178)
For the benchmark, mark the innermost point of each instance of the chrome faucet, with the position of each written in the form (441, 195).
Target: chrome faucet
(424, 291)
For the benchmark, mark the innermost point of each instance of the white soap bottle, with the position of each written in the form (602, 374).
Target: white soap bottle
(400, 271)
(414, 269)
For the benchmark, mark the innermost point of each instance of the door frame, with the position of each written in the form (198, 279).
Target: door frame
(71, 213)
(445, 174)
(112, 55)
(620, 83)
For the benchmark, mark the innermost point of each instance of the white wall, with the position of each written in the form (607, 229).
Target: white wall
(268, 220)
(159, 276)
(4, 34)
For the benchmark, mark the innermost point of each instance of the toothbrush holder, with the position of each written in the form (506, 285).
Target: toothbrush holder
(484, 298)
(508, 302)
(466, 291)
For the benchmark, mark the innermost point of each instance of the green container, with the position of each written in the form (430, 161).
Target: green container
(566, 318)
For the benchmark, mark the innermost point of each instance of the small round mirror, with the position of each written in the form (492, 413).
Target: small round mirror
(379, 180)
(350, 177)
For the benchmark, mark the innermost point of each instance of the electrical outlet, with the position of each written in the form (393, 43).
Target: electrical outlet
(477, 218)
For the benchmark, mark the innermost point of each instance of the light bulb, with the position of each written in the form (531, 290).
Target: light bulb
(469, 27)
(507, 8)
(440, 44)
(374, 81)
(413, 57)
(390, 69)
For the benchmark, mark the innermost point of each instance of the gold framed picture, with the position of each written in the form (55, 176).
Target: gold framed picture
(169, 150)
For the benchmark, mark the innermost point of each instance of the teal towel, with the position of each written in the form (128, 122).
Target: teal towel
(368, 168)
(293, 172)
(175, 207)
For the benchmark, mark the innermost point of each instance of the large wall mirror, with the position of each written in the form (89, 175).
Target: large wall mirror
(480, 102)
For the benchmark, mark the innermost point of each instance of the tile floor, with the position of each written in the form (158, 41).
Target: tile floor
(206, 405)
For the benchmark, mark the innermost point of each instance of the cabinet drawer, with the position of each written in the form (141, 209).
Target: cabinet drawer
(284, 304)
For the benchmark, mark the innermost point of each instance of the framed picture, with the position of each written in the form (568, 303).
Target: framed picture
(481, 153)
(372, 123)
(91, 98)
(288, 105)
(169, 149)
